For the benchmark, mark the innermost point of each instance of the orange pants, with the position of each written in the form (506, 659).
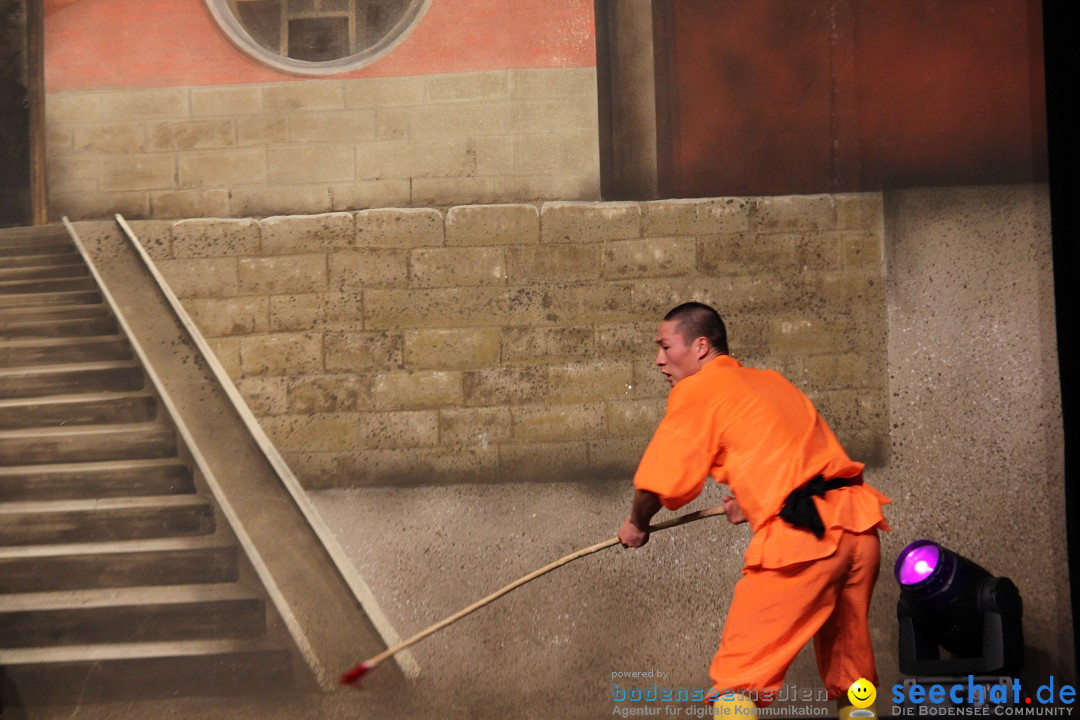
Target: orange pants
(774, 613)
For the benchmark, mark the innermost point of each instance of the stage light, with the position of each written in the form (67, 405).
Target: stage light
(917, 562)
(949, 603)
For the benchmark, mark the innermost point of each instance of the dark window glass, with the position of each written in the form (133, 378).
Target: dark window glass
(340, 32)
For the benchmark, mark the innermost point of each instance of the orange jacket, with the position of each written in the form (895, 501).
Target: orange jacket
(759, 434)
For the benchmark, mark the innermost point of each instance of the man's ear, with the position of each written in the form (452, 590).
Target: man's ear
(701, 347)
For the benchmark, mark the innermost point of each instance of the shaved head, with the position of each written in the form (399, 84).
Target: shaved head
(694, 320)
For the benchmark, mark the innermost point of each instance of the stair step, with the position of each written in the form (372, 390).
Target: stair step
(52, 351)
(33, 232)
(75, 481)
(73, 410)
(50, 312)
(59, 328)
(45, 299)
(59, 257)
(22, 247)
(83, 521)
(25, 249)
(140, 614)
(167, 561)
(90, 443)
(94, 673)
(75, 378)
(48, 272)
(23, 287)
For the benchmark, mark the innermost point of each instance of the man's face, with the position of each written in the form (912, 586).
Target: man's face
(675, 358)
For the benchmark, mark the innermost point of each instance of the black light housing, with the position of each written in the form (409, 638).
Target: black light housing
(949, 602)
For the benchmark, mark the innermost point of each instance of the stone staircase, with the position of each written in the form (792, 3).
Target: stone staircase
(117, 581)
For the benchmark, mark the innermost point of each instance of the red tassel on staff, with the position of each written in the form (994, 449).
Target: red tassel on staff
(353, 676)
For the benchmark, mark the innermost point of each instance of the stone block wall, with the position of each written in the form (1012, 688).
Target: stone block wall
(323, 145)
(514, 342)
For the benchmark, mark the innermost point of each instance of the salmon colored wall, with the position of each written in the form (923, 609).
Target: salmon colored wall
(95, 44)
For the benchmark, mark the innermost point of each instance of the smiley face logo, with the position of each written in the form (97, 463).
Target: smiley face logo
(862, 693)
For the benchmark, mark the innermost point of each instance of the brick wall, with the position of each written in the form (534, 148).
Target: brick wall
(323, 145)
(514, 342)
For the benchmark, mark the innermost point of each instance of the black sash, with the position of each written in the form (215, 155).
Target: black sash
(799, 509)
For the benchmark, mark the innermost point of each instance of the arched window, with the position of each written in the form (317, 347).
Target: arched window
(317, 37)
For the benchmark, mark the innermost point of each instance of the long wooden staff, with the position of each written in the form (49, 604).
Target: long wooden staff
(353, 676)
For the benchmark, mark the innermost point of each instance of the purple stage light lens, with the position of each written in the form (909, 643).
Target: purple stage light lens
(918, 563)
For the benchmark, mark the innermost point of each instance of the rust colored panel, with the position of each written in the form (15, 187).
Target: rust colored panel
(782, 97)
(951, 91)
(747, 92)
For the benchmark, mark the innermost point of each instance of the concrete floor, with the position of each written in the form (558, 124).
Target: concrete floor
(552, 645)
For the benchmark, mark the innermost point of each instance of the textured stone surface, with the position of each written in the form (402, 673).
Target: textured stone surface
(310, 164)
(468, 86)
(694, 217)
(328, 144)
(109, 138)
(332, 127)
(380, 92)
(368, 267)
(399, 228)
(459, 349)
(487, 225)
(591, 222)
(226, 100)
(315, 394)
(781, 214)
(551, 423)
(536, 324)
(309, 232)
(278, 199)
(300, 311)
(230, 316)
(329, 95)
(262, 129)
(138, 172)
(975, 399)
(655, 257)
(216, 277)
(90, 204)
(281, 354)
(522, 345)
(283, 274)
(226, 167)
(215, 238)
(556, 263)
(265, 395)
(189, 203)
(144, 104)
(363, 352)
(190, 135)
(419, 389)
(155, 236)
(455, 267)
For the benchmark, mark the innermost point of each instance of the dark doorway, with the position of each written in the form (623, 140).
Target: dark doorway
(15, 203)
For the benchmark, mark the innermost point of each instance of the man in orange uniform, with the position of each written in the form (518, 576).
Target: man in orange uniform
(812, 563)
